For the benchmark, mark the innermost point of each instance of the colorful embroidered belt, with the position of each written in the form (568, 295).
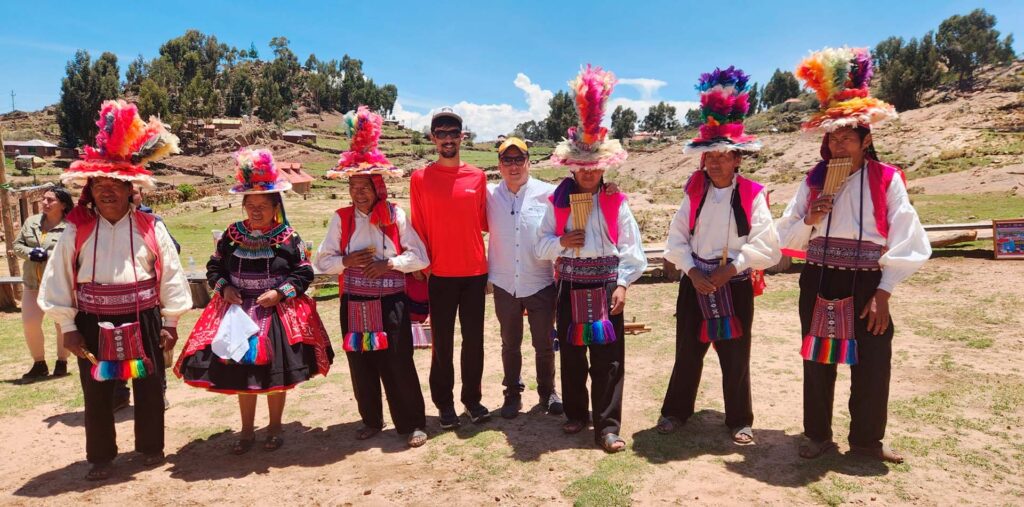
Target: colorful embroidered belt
(709, 265)
(358, 284)
(844, 254)
(254, 284)
(117, 299)
(591, 270)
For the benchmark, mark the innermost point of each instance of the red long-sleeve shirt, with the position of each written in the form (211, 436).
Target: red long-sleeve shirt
(449, 212)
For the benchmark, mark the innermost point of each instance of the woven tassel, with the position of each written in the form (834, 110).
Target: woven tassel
(600, 332)
(726, 328)
(119, 370)
(365, 342)
(829, 350)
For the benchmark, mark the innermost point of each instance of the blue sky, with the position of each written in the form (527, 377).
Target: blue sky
(497, 62)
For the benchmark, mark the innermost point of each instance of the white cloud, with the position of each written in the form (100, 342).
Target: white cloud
(491, 120)
(645, 85)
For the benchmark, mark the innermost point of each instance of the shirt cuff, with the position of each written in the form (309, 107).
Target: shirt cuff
(887, 285)
(170, 321)
(288, 290)
(740, 262)
(68, 326)
(219, 286)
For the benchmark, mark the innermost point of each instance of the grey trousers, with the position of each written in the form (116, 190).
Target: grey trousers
(540, 311)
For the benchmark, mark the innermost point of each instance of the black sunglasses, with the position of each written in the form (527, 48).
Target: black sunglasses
(520, 160)
(447, 134)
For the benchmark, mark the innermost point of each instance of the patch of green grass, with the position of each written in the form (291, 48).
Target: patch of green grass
(832, 489)
(957, 208)
(948, 162)
(332, 143)
(610, 484)
(778, 299)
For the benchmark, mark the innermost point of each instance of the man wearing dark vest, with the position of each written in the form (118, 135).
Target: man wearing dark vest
(861, 239)
(371, 247)
(721, 238)
(113, 276)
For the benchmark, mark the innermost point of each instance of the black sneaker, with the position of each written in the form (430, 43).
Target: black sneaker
(38, 371)
(60, 369)
(121, 403)
(552, 404)
(449, 419)
(513, 404)
(478, 413)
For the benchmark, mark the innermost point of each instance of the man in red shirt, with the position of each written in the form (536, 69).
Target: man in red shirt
(448, 200)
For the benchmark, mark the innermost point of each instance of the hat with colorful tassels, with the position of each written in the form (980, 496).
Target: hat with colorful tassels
(723, 106)
(124, 145)
(586, 146)
(840, 78)
(363, 157)
(257, 173)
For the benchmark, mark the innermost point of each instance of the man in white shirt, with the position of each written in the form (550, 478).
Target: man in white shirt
(521, 281)
(116, 266)
(861, 240)
(720, 238)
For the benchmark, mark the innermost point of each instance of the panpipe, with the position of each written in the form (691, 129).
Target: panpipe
(580, 205)
(838, 170)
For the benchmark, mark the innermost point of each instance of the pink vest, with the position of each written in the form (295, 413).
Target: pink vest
(697, 185)
(880, 176)
(609, 203)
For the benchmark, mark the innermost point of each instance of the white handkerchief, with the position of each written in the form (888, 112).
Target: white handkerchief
(232, 339)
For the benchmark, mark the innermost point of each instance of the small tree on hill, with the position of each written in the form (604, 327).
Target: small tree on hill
(780, 88)
(623, 123)
(967, 42)
(561, 116)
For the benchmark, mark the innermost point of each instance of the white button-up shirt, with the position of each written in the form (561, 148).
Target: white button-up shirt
(513, 220)
(716, 225)
(329, 255)
(629, 249)
(907, 247)
(113, 265)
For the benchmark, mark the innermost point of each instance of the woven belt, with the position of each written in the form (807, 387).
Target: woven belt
(117, 299)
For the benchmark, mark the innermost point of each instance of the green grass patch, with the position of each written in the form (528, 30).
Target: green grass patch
(957, 208)
(832, 489)
(332, 143)
(610, 484)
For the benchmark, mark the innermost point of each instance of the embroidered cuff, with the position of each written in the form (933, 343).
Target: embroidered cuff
(219, 286)
(288, 290)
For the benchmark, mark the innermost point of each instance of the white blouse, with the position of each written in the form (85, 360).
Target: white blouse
(907, 247)
(629, 249)
(414, 254)
(113, 266)
(716, 225)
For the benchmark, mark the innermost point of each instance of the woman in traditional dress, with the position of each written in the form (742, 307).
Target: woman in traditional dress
(262, 266)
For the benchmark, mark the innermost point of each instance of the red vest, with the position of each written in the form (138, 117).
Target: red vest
(609, 204)
(85, 223)
(348, 228)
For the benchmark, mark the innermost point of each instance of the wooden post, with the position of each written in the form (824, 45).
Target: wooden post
(5, 206)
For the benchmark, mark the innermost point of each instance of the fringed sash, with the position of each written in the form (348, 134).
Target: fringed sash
(720, 320)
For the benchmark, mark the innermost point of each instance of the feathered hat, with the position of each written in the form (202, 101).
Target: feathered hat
(585, 145)
(257, 173)
(124, 145)
(840, 77)
(723, 106)
(363, 156)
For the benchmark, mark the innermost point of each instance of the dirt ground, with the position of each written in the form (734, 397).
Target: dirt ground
(956, 409)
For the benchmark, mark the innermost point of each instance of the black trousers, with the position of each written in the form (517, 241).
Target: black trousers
(606, 369)
(449, 296)
(100, 436)
(869, 382)
(733, 355)
(393, 367)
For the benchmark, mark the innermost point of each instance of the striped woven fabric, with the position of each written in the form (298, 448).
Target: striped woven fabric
(365, 327)
(253, 284)
(117, 299)
(589, 305)
(591, 270)
(358, 284)
(843, 254)
(831, 338)
(720, 321)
